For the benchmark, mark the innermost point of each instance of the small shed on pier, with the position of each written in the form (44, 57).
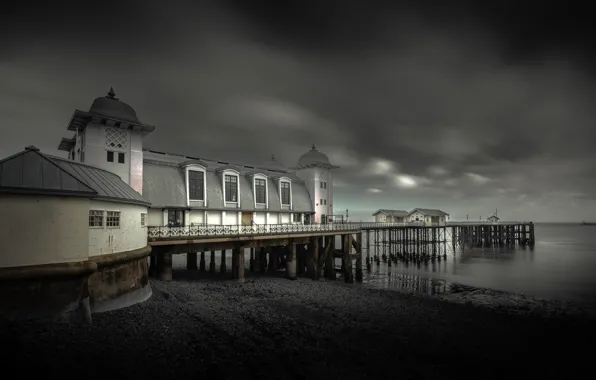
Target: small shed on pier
(428, 216)
(493, 219)
(390, 216)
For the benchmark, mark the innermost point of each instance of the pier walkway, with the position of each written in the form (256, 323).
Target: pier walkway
(311, 248)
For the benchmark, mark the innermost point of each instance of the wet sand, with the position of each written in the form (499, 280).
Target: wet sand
(279, 329)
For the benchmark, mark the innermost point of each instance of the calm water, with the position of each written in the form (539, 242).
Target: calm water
(561, 266)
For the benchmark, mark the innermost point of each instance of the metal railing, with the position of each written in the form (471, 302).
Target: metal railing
(215, 230)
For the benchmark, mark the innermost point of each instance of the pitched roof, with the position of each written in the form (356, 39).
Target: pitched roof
(398, 213)
(164, 184)
(108, 185)
(429, 212)
(32, 172)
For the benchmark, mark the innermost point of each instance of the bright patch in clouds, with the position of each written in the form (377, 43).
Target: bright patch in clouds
(405, 181)
(477, 178)
(438, 171)
(374, 191)
(380, 166)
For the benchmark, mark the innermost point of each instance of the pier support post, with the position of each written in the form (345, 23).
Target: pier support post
(252, 260)
(291, 262)
(330, 259)
(212, 262)
(222, 264)
(359, 257)
(316, 273)
(153, 263)
(347, 259)
(262, 260)
(164, 266)
(202, 262)
(238, 263)
(191, 261)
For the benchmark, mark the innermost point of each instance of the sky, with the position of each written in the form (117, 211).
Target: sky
(465, 108)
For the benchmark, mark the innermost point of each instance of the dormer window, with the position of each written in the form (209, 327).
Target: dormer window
(196, 177)
(231, 187)
(196, 185)
(260, 191)
(285, 193)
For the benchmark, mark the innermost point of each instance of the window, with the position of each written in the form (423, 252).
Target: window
(285, 193)
(95, 218)
(321, 184)
(113, 219)
(321, 203)
(120, 158)
(143, 219)
(196, 185)
(110, 156)
(325, 202)
(325, 185)
(260, 191)
(231, 188)
(297, 218)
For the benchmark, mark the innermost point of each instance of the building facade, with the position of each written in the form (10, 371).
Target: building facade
(187, 190)
(390, 216)
(72, 231)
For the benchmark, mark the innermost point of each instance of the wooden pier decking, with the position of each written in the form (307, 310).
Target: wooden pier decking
(310, 249)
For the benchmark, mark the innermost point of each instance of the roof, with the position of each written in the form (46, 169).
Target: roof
(314, 158)
(429, 212)
(111, 106)
(31, 172)
(399, 213)
(164, 184)
(493, 217)
(108, 185)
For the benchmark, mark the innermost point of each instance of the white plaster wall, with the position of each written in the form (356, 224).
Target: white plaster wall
(95, 149)
(37, 230)
(231, 217)
(380, 218)
(260, 217)
(197, 217)
(273, 218)
(135, 161)
(130, 235)
(214, 217)
(155, 217)
(285, 218)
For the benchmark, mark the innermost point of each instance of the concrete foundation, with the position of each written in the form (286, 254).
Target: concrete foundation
(121, 280)
(53, 291)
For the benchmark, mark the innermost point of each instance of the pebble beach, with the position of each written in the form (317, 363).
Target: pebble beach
(272, 328)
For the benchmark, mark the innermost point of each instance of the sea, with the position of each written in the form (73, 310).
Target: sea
(556, 276)
(560, 271)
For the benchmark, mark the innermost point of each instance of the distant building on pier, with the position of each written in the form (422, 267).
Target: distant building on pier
(493, 219)
(416, 216)
(390, 216)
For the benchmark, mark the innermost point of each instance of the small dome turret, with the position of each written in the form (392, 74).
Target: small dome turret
(313, 158)
(110, 106)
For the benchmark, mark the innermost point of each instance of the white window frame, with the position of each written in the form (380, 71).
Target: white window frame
(119, 213)
(254, 188)
(235, 173)
(143, 219)
(196, 168)
(103, 218)
(289, 181)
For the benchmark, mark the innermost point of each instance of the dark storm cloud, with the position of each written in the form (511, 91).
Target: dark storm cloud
(420, 107)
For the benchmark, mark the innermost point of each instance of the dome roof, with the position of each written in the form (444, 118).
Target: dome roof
(273, 165)
(313, 157)
(110, 106)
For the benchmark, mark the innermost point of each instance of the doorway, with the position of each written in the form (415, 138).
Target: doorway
(175, 218)
(246, 218)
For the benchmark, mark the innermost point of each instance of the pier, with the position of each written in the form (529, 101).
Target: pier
(311, 250)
